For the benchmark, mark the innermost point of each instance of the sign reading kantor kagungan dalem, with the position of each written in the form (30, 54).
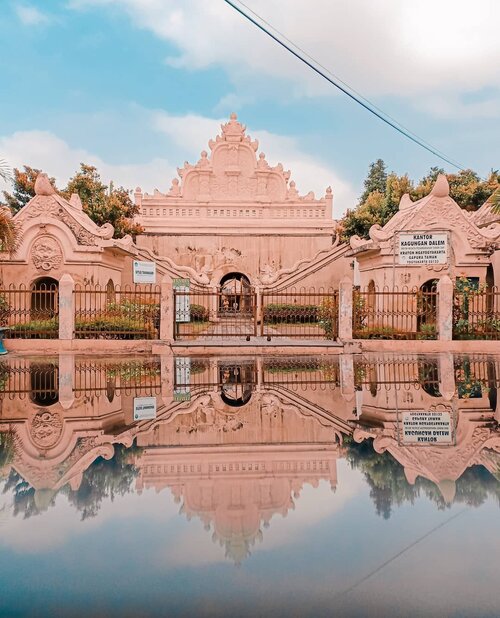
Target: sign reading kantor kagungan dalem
(423, 248)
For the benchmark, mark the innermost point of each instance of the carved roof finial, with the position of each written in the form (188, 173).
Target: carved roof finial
(405, 202)
(441, 187)
(43, 186)
(233, 131)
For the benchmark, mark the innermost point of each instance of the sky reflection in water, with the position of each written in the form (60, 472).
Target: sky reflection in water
(294, 486)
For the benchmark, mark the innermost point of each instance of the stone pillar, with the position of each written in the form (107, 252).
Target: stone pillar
(258, 297)
(345, 309)
(446, 376)
(66, 380)
(167, 374)
(66, 307)
(347, 376)
(214, 304)
(167, 309)
(445, 308)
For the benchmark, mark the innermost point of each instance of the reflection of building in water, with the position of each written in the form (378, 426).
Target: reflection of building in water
(393, 395)
(235, 468)
(246, 435)
(59, 432)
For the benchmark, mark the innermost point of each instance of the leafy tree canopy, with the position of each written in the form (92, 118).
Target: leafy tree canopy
(380, 199)
(103, 204)
(24, 187)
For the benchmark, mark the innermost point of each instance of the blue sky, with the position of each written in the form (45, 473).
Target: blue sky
(138, 86)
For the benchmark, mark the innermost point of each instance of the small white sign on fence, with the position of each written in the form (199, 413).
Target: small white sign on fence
(144, 272)
(423, 248)
(144, 408)
(427, 427)
(182, 304)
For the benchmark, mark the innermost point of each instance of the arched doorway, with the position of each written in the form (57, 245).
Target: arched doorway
(236, 383)
(44, 379)
(236, 295)
(44, 298)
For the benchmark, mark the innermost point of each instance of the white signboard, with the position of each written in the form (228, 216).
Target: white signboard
(144, 408)
(182, 304)
(423, 248)
(144, 272)
(427, 428)
(182, 390)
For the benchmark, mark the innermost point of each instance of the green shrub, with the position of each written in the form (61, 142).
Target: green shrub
(36, 329)
(4, 310)
(198, 313)
(427, 331)
(290, 314)
(118, 327)
(328, 313)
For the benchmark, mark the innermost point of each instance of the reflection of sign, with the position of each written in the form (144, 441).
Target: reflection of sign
(182, 304)
(144, 408)
(144, 272)
(182, 390)
(423, 248)
(427, 428)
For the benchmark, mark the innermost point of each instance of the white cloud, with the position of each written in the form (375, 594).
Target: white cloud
(46, 151)
(30, 15)
(62, 522)
(387, 47)
(189, 133)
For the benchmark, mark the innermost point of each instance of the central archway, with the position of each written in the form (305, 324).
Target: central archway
(235, 295)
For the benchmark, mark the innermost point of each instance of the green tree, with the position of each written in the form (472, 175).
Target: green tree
(104, 204)
(375, 181)
(379, 205)
(24, 187)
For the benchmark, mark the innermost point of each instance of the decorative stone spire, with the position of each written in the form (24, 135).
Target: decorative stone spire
(405, 202)
(43, 186)
(233, 131)
(441, 187)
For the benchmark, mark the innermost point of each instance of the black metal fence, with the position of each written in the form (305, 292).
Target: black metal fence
(394, 314)
(128, 312)
(304, 313)
(30, 312)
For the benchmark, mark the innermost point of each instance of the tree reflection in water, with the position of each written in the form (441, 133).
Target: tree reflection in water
(104, 479)
(389, 487)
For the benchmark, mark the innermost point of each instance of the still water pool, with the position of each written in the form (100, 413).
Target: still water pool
(363, 485)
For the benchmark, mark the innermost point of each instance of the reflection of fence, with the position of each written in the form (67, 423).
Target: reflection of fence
(303, 373)
(131, 377)
(307, 314)
(21, 378)
(214, 313)
(395, 314)
(404, 373)
(131, 312)
(476, 314)
(30, 312)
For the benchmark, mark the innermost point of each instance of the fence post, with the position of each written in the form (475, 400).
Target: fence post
(66, 380)
(445, 308)
(166, 309)
(66, 307)
(345, 309)
(446, 376)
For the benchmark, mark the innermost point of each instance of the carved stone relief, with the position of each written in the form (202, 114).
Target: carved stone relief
(46, 428)
(46, 253)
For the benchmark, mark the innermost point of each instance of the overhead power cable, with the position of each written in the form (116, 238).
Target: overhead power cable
(318, 68)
